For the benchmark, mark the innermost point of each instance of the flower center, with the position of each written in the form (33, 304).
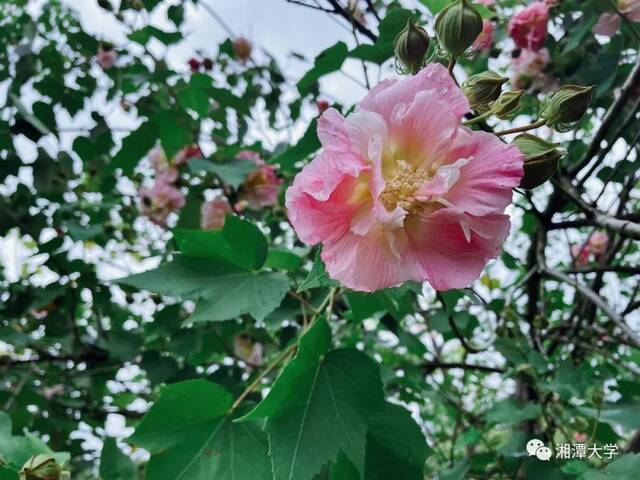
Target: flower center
(400, 189)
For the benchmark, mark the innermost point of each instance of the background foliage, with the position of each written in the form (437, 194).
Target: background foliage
(394, 384)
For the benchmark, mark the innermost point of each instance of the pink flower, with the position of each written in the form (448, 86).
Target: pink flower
(580, 254)
(631, 8)
(159, 201)
(598, 243)
(528, 27)
(246, 350)
(608, 24)
(165, 173)
(528, 66)
(106, 57)
(485, 39)
(262, 186)
(213, 213)
(580, 437)
(402, 191)
(186, 154)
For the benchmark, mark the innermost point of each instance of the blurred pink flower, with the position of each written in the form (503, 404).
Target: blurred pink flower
(402, 191)
(159, 201)
(609, 22)
(528, 67)
(262, 186)
(213, 213)
(106, 57)
(528, 27)
(485, 39)
(245, 349)
(580, 254)
(598, 243)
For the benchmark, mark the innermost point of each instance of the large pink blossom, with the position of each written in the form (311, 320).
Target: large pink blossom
(159, 201)
(484, 41)
(262, 186)
(213, 213)
(402, 191)
(528, 27)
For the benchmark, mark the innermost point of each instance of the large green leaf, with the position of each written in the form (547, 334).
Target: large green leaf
(232, 173)
(115, 465)
(320, 405)
(328, 61)
(200, 442)
(223, 291)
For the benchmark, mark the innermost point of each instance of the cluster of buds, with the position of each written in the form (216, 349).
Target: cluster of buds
(484, 92)
(196, 65)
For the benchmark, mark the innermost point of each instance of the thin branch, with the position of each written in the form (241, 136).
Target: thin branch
(598, 301)
(344, 13)
(429, 366)
(606, 268)
(314, 7)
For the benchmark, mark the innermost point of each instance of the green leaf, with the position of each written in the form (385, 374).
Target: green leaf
(223, 291)
(509, 411)
(199, 442)
(143, 35)
(616, 414)
(319, 406)
(317, 277)
(396, 447)
(239, 242)
(327, 61)
(282, 259)
(383, 49)
(304, 147)
(135, 146)
(624, 468)
(115, 465)
(232, 173)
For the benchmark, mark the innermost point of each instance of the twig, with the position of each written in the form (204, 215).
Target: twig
(524, 128)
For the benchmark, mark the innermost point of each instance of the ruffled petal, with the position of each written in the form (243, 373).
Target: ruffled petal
(384, 97)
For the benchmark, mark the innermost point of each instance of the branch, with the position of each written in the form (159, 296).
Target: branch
(606, 268)
(344, 13)
(597, 300)
(633, 80)
(429, 366)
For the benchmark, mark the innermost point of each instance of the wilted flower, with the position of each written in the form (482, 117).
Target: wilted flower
(186, 154)
(598, 243)
(246, 350)
(194, 64)
(322, 105)
(262, 186)
(528, 27)
(213, 212)
(402, 191)
(159, 201)
(242, 49)
(106, 56)
(580, 254)
(207, 64)
(485, 39)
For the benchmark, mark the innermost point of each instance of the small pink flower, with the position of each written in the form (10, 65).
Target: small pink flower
(631, 8)
(246, 350)
(165, 173)
(159, 201)
(598, 243)
(242, 49)
(484, 41)
(608, 24)
(106, 57)
(580, 437)
(528, 27)
(402, 191)
(213, 213)
(580, 254)
(528, 67)
(262, 186)
(186, 154)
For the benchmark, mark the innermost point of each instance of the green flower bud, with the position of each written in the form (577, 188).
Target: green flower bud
(41, 467)
(564, 108)
(411, 46)
(483, 88)
(541, 159)
(507, 105)
(457, 27)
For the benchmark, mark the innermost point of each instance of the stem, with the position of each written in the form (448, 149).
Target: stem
(524, 128)
(452, 64)
(478, 118)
